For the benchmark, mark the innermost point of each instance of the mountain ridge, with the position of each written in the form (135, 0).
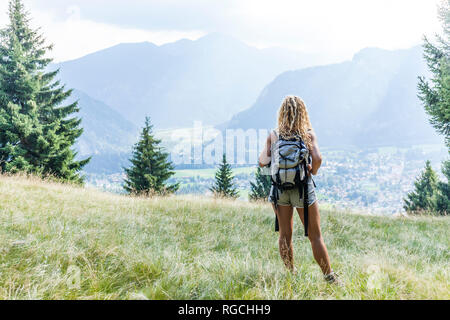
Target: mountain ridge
(207, 79)
(107, 137)
(376, 90)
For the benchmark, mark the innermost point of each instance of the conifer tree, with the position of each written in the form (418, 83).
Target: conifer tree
(223, 184)
(435, 96)
(423, 197)
(443, 191)
(150, 167)
(36, 131)
(259, 190)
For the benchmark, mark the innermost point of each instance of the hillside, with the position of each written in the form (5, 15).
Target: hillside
(208, 79)
(104, 129)
(371, 100)
(63, 242)
(107, 137)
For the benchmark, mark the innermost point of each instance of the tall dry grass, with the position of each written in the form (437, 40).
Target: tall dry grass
(66, 242)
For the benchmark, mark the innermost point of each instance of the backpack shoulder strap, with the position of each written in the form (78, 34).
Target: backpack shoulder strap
(275, 133)
(274, 136)
(304, 184)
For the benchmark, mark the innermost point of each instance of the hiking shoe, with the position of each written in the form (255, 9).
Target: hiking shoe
(332, 278)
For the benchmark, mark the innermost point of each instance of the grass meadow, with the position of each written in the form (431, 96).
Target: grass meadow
(64, 242)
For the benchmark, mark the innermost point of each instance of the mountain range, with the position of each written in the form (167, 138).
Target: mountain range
(370, 100)
(367, 101)
(208, 80)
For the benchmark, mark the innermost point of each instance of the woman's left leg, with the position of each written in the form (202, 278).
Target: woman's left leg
(286, 222)
(315, 237)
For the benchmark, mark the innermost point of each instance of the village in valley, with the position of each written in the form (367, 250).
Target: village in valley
(372, 180)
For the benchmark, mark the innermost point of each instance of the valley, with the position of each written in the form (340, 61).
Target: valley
(372, 180)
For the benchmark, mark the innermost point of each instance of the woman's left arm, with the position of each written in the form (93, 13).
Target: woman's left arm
(315, 154)
(264, 157)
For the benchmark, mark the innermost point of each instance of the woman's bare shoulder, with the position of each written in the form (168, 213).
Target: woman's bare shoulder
(273, 136)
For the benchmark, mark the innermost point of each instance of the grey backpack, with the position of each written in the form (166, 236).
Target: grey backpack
(288, 163)
(290, 158)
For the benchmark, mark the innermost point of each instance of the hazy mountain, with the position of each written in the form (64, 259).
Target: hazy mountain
(209, 79)
(369, 100)
(107, 136)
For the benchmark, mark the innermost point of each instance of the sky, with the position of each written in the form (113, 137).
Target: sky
(336, 29)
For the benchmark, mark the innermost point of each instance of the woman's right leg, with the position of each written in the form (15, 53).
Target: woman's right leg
(315, 237)
(286, 223)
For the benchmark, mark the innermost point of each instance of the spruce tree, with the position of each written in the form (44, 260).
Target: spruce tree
(36, 132)
(435, 96)
(259, 190)
(443, 191)
(150, 167)
(223, 184)
(423, 198)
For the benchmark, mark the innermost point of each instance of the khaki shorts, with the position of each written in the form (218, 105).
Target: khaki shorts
(292, 197)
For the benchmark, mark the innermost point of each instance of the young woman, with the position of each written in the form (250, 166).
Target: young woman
(293, 122)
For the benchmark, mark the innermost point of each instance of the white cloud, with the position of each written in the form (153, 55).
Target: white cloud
(338, 28)
(75, 37)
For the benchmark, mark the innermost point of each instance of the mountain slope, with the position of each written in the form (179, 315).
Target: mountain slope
(369, 100)
(107, 136)
(63, 242)
(207, 80)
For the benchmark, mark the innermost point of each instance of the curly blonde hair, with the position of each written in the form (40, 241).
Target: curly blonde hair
(293, 120)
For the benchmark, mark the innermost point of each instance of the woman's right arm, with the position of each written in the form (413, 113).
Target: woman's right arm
(315, 154)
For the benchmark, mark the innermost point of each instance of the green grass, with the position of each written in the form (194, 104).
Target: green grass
(64, 242)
